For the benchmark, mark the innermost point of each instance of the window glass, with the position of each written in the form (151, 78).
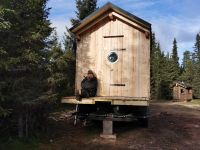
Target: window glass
(112, 57)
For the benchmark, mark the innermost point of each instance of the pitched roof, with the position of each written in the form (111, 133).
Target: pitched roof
(182, 84)
(109, 6)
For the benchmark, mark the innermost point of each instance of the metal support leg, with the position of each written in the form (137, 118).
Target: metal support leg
(75, 117)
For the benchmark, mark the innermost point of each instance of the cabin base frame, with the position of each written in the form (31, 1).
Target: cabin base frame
(112, 100)
(125, 109)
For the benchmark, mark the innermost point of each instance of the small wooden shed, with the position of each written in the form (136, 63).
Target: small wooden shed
(115, 45)
(182, 91)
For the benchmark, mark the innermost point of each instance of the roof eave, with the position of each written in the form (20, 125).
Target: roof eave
(103, 9)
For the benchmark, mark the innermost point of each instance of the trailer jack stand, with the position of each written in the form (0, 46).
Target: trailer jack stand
(108, 130)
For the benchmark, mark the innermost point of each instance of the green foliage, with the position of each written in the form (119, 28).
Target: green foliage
(84, 8)
(4, 112)
(66, 74)
(160, 72)
(61, 68)
(187, 68)
(34, 69)
(24, 31)
(196, 66)
(164, 70)
(155, 63)
(23, 54)
(69, 41)
(196, 101)
(19, 144)
(175, 64)
(5, 24)
(197, 48)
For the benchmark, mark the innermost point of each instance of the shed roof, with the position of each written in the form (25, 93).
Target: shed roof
(109, 6)
(182, 84)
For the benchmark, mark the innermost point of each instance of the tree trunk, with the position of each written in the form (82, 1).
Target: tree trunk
(20, 125)
(26, 125)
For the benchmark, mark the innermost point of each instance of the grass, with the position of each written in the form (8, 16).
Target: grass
(19, 144)
(196, 101)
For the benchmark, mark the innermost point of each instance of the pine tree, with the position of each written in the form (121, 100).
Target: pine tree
(196, 61)
(175, 61)
(161, 71)
(166, 77)
(152, 70)
(187, 68)
(56, 68)
(155, 72)
(69, 41)
(23, 63)
(84, 8)
(61, 70)
(174, 52)
(197, 48)
(25, 44)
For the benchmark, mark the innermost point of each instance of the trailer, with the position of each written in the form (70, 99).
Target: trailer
(115, 45)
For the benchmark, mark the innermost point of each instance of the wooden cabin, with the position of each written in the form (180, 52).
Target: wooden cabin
(182, 91)
(115, 45)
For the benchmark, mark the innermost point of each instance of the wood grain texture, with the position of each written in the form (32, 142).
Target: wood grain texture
(132, 67)
(119, 100)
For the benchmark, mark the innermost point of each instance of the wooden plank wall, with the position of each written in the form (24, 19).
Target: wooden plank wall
(132, 67)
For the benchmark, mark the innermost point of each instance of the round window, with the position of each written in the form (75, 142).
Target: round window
(112, 57)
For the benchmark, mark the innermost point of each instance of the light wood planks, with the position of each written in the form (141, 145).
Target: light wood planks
(132, 67)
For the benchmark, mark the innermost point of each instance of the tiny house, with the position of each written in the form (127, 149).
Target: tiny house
(182, 91)
(115, 45)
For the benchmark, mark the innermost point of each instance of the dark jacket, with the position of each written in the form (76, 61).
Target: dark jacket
(89, 87)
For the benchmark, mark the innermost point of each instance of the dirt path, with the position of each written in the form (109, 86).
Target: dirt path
(173, 126)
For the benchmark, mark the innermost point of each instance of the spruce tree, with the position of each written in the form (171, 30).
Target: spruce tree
(57, 67)
(166, 77)
(152, 70)
(196, 61)
(155, 72)
(24, 56)
(175, 61)
(197, 48)
(84, 8)
(161, 71)
(25, 44)
(187, 68)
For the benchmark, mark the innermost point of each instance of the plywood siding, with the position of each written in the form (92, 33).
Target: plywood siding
(132, 68)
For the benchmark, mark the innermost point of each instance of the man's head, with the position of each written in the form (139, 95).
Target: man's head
(90, 74)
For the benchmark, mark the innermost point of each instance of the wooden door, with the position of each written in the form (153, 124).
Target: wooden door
(113, 71)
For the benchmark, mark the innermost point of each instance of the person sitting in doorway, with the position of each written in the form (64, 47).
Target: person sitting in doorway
(88, 86)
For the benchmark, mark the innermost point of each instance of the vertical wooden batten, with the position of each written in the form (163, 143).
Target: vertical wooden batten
(110, 31)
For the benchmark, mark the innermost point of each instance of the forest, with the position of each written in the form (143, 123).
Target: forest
(37, 70)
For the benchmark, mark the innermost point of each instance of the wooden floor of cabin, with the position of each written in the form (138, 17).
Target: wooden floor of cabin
(110, 98)
(140, 101)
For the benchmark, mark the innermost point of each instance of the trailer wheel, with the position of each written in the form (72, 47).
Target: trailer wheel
(143, 122)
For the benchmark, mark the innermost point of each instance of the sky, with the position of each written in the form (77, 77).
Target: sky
(170, 19)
